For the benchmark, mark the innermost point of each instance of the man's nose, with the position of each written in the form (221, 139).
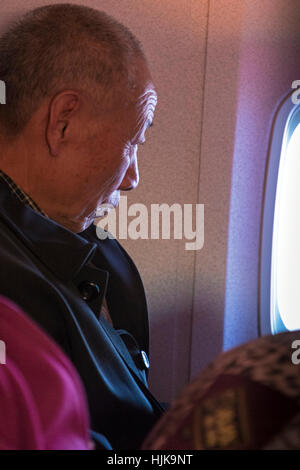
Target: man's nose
(131, 178)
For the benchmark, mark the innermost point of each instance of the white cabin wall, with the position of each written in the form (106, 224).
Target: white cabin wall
(269, 63)
(252, 59)
(217, 144)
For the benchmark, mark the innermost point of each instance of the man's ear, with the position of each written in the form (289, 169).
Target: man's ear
(61, 110)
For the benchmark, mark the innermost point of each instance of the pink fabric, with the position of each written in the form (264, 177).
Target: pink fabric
(42, 401)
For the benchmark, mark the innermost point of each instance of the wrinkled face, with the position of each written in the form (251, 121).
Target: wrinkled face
(110, 151)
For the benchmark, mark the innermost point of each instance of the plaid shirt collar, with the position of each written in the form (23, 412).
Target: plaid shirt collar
(20, 194)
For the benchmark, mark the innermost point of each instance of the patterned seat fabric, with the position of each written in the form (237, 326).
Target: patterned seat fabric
(248, 398)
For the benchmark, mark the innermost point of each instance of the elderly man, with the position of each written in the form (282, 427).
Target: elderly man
(79, 101)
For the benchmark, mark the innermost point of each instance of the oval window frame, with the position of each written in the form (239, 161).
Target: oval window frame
(285, 121)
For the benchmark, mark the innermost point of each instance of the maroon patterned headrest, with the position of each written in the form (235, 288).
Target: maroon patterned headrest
(248, 398)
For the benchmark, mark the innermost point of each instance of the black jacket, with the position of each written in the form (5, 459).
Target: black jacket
(59, 279)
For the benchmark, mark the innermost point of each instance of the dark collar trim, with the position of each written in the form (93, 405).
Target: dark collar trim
(61, 250)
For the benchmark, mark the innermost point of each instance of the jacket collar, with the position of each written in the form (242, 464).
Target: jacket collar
(61, 250)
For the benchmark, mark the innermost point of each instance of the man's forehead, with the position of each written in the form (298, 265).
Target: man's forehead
(144, 83)
(141, 100)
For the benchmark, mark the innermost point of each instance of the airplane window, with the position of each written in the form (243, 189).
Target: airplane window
(280, 256)
(285, 273)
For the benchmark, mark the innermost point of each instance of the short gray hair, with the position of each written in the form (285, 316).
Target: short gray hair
(62, 46)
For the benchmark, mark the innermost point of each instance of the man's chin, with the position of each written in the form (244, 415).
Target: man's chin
(114, 199)
(102, 211)
(108, 204)
(111, 202)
